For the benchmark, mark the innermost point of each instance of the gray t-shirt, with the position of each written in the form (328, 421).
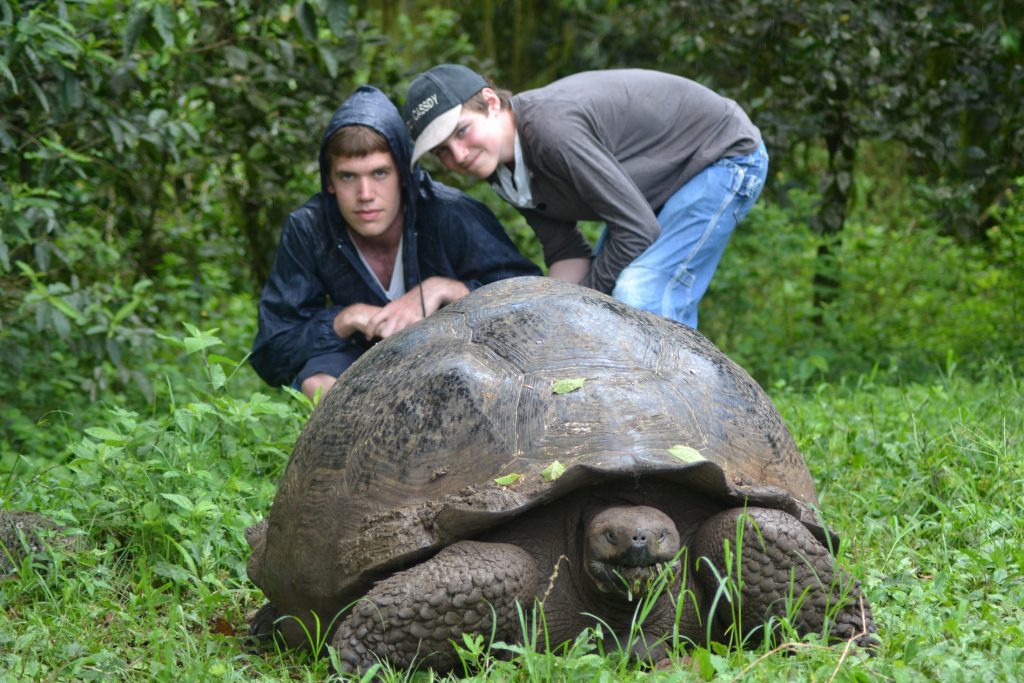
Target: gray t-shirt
(614, 146)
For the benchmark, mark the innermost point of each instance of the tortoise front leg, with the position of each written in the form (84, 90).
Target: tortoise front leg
(409, 618)
(780, 560)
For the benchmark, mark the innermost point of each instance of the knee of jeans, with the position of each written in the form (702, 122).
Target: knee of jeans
(625, 287)
(637, 287)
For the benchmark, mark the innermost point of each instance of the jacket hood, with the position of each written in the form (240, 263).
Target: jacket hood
(370, 107)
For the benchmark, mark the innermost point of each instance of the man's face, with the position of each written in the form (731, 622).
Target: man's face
(475, 148)
(369, 193)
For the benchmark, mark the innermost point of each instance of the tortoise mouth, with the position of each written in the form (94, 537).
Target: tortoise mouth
(630, 581)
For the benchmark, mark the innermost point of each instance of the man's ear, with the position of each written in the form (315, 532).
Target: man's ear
(492, 99)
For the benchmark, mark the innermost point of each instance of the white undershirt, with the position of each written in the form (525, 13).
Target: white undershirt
(397, 287)
(514, 187)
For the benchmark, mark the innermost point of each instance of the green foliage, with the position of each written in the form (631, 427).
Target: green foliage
(912, 300)
(1007, 239)
(921, 481)
(937, 520)
(165, 499)
(147, 159)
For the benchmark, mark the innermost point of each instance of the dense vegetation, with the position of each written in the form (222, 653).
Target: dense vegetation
(149, 151)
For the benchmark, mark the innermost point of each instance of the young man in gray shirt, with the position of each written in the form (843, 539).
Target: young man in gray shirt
(670, 166)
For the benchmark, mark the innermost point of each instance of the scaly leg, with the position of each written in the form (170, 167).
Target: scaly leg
(780, 560)
(409, 618)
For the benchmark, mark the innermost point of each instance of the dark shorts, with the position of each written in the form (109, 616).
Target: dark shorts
(332, 364)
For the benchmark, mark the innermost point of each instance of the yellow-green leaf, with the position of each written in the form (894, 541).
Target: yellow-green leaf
(193, 344)
(65, 308)
(686, 454)
(104, 434)
(553, 471)
(508, 479)
(564, 386)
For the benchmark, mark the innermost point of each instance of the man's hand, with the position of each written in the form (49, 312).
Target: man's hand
(355, 318)
(409, 308)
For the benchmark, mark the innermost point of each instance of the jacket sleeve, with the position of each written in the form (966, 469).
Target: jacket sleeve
(295, 323)
(477, 247)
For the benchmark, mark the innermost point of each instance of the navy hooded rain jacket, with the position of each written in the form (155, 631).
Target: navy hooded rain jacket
(317, 271)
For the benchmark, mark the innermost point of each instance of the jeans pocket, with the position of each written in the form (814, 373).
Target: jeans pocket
(748, 172)
(730, 173)
(752, 184)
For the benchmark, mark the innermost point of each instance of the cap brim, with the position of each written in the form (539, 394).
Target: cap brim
(436, 132)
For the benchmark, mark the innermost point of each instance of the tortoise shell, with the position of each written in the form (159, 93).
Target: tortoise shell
(465, 420)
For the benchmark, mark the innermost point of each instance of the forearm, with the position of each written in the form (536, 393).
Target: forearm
(621, 247)
(283, 343)
(570, 270)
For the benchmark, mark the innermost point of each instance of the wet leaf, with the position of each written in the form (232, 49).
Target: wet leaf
(508, 479)
(564, 386)
(686, 454)
(553, 471)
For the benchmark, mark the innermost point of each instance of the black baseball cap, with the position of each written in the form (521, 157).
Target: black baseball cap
(434, 104)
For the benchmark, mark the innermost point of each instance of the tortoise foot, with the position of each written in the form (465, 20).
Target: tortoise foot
(410, 618)
(783, 571)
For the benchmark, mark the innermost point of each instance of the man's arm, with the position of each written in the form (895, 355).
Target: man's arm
(467, 243)
(295, 322)
(587, 164)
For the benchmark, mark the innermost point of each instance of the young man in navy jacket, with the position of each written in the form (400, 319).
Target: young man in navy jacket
(381, 246)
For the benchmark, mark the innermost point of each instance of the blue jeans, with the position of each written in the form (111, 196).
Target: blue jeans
(672, 274)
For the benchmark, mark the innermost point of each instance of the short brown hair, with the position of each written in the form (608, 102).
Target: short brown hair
(478, 104)
(356, 141)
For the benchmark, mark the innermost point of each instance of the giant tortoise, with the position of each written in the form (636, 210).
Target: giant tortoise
(541, 443)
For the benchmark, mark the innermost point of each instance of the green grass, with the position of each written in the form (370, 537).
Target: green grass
(923, 481)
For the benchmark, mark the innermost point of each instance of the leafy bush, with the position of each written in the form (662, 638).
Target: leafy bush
(147, 160)
(164, 499)
(910, 299)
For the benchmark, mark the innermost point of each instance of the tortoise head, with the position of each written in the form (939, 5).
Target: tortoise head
(626, 548)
